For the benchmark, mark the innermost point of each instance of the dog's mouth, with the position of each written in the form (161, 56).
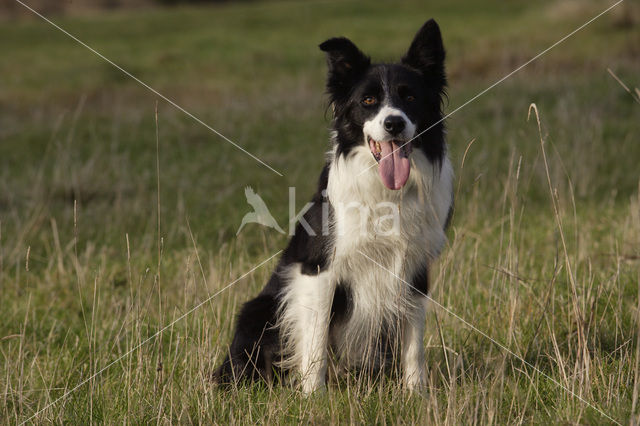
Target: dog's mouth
(393, 161)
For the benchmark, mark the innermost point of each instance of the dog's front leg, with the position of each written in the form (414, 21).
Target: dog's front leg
(306, 320)
(413, 367)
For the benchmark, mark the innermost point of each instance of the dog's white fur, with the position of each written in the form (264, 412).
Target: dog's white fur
(380, 298)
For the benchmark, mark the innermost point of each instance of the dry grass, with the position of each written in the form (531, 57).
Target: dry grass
(118, 216)
(554, 285)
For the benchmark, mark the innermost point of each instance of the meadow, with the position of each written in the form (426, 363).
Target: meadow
(118, 212)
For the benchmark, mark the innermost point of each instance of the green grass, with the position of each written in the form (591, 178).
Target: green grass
(85, 276)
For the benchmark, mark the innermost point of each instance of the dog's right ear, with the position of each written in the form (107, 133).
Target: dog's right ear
(346, 65)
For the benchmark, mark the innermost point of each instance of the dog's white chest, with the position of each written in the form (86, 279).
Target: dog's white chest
(379, 233)
(382, 238)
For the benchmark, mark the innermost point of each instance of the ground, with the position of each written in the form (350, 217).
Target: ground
(543, 253)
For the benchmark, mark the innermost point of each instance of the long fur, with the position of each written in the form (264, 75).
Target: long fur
(354, 289)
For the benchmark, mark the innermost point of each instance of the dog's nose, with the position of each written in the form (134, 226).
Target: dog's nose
(394, 124)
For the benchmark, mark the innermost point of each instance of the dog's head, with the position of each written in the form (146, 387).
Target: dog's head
(384, 106)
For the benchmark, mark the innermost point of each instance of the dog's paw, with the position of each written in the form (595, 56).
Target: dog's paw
(415, 382)
(312, 383)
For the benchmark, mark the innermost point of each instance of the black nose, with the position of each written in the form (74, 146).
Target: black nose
(394, 124)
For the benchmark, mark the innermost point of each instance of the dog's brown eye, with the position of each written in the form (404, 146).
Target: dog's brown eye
(369, 100)
(410, 98)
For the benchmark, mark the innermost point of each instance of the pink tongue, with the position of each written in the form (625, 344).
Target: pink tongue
(394, 168)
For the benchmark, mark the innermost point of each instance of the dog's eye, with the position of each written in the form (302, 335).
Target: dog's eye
(369, 100)
(410, 98)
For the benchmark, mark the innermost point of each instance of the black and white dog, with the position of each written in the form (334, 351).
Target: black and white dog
(353, 281)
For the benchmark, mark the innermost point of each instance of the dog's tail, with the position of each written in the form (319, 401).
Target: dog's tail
(255, 344)
(225, 374)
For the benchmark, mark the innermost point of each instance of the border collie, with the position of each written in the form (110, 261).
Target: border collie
(351, 287)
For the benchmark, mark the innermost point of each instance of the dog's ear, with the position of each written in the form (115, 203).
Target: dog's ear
(346, 65)
(426, 54)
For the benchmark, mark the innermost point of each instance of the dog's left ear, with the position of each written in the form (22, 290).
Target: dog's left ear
(346, 65)
(426, 54)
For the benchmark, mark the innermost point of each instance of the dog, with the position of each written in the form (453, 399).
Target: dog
(352, 291)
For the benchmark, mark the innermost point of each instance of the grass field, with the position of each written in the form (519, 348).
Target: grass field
(543, 254)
